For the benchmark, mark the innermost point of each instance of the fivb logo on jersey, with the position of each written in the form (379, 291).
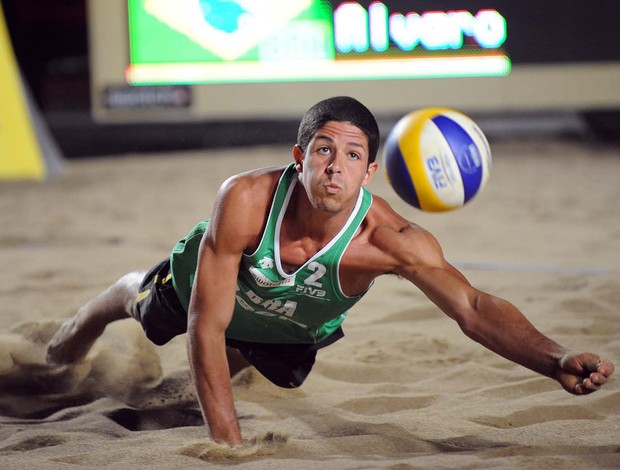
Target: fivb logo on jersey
(312, 286)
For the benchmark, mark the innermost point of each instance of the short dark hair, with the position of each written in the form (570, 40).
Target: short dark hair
(339, 109)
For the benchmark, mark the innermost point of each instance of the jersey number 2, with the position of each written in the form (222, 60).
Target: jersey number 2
(319, 272)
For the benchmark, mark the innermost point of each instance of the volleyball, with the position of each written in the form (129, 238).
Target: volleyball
(437, 159)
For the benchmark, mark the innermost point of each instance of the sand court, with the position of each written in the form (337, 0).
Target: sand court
(404, 389)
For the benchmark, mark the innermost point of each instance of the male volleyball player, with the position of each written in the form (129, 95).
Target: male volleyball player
(286, 253)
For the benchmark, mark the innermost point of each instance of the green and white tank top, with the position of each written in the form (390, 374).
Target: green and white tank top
(273, 306)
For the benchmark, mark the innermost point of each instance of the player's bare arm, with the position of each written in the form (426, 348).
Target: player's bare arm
(489, 320)
(235, 225)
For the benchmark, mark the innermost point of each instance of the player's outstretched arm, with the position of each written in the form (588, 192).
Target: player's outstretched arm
(502, 328)
(489, 320)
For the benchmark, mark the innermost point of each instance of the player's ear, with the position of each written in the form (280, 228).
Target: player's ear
(298, 156)
(370, 171)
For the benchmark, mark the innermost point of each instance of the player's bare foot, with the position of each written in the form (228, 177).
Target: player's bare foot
(76, 336)
(73, 340)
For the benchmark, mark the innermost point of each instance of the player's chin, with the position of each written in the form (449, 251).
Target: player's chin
(328, 203)
(329, 206)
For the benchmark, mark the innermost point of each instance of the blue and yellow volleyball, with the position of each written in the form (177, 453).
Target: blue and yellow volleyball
(437, 159)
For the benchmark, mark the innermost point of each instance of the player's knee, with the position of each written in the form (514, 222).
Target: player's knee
(132, 280)
(128, 287)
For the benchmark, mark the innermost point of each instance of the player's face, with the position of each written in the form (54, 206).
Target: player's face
(335, 166)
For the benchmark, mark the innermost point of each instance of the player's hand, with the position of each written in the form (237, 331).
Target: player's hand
(583, 373)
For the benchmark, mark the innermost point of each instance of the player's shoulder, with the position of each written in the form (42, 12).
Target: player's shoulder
(266, 176)
(253, 185)
(381, 214)
(389, 230)
(242, 204)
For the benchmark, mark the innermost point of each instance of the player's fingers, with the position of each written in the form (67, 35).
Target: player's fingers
(590, 361)
(605, 368)
(589, 385)
(585, 387)
(598, 379)
(580, 390)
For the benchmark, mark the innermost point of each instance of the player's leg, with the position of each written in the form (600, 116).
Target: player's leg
(75, 337)
(236, 361)
(285, 365)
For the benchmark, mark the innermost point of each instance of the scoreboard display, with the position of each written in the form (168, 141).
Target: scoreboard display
(231, 59)
(215, 41)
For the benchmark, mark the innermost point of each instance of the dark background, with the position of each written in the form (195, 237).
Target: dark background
(50, 41)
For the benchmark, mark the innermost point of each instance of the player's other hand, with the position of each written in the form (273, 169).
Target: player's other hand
(583, 373)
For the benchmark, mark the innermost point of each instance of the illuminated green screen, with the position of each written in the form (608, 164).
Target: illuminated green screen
(227, 41)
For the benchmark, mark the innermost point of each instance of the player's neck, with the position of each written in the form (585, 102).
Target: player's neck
(304, 220)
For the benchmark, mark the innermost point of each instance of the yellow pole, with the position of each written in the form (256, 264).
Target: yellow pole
(20, 154)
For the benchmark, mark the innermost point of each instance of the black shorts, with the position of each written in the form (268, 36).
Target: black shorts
(163, 317)
(159, 310)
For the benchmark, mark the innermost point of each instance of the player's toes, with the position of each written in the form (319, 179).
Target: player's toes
(58, 352)
(53, 356)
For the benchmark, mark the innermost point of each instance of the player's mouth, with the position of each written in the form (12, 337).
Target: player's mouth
(332, 188)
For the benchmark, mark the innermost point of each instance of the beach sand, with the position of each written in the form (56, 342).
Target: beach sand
(405, 389)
